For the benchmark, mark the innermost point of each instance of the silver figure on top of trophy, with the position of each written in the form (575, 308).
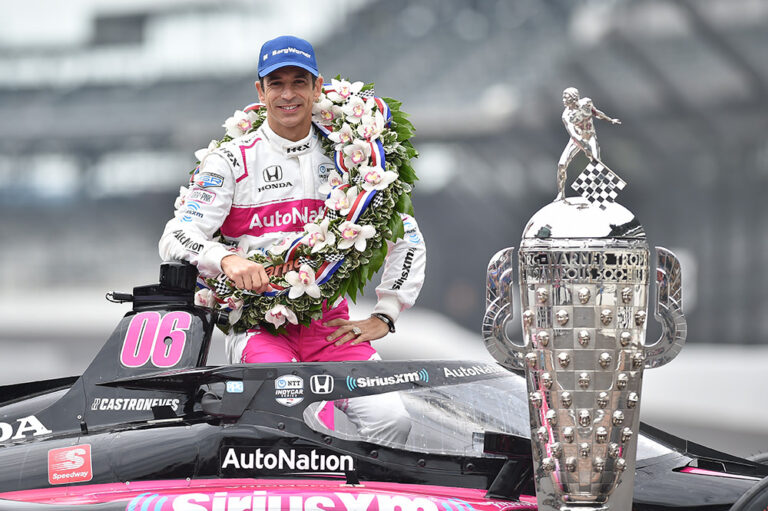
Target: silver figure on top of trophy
(584, 275)
(577, 117)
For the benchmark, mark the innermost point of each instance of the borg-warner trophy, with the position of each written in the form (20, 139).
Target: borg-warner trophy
(584, 283)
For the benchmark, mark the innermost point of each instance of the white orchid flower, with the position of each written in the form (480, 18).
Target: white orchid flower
(325, 112)
(240, 123)
(234, 303)
(179, 202)
(371, 126)
(205, 298)
(353, 234)
(302, 281)
(282, 244)
(375, 178)
(340, 200)
(234, 316)
(334, 179)
(278, 315)
(356, 108)
(236, 309)
(342, 136)
(318, 235)
(356, 153)
(342, 89)
(200, 154)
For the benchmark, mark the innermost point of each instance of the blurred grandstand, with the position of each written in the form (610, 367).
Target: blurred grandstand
(98, 126)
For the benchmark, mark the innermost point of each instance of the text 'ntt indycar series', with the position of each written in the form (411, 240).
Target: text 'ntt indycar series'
(150, 427)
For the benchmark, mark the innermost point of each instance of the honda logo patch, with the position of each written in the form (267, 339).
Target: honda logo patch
(273, 173)
(321, 384)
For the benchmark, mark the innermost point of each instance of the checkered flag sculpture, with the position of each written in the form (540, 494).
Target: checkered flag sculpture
(598, 184)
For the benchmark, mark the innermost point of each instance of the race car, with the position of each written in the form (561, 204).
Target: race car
(150, 427)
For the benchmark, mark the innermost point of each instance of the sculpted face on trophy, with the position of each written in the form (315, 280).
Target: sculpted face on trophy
(584, 277)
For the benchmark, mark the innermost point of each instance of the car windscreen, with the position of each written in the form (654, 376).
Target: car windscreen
(446, 419)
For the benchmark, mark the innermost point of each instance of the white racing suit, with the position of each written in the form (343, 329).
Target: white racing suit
(255, 189)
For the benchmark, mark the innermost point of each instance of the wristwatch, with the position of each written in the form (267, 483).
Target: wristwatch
(386, 319)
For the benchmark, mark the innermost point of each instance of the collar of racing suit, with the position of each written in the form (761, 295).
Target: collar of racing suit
(290, 147)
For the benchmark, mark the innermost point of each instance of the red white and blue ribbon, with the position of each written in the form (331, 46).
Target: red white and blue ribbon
(338, 159)
(384, 109)
(326, 270)
(325, 130)
(360, 205)
(377, 155)
(253, 107)
(291, 252)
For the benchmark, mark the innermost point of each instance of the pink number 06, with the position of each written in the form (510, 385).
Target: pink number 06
(146, 337)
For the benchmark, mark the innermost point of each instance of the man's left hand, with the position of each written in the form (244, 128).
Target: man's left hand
(370, 329)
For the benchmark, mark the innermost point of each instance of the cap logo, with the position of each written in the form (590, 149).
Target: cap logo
(290, 49)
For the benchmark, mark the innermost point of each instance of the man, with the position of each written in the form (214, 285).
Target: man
(577, 117)
(248, 183)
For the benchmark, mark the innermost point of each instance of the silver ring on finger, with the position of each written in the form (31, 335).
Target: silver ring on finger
(356, 330)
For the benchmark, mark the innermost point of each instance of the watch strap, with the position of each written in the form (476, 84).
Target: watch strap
(386, 319)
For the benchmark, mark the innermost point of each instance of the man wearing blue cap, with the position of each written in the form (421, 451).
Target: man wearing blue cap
(262, 185)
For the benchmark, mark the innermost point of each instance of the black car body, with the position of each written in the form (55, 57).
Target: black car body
(149, 426)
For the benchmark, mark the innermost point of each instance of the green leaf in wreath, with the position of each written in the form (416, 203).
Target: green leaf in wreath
(403, 133)
(404, 204)
(352, 290)
(394, 105)
(407, 174)
(396, 225)
(405, 123)
(410, 151)
(361, 285)
(378, 260)
(343, 285)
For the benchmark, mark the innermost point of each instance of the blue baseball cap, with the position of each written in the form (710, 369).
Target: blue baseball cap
(287, 50)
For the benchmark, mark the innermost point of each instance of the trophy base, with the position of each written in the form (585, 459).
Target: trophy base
(571, 506)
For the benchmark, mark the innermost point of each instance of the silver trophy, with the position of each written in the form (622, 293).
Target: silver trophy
(584, 283)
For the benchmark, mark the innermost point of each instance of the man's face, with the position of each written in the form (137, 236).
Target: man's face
(288, 94)
(570, 98)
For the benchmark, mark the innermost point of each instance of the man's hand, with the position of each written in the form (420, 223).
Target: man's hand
(615, 121)
(370, 329)
(245, 273)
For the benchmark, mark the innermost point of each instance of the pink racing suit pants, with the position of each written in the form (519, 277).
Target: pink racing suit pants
(305, 344)
(380, 419)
